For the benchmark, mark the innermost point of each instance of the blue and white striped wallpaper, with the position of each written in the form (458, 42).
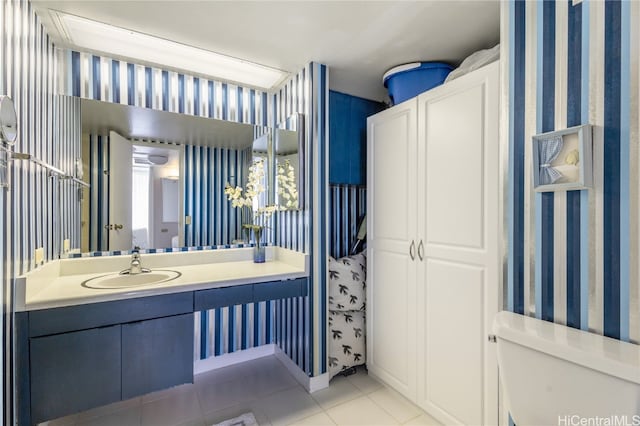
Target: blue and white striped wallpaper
(233, 328)
(28, 65)
(29, 208)
(68, 141)
(213, 220)
(573, 256)
(298, 326)
(302, 321)
(101, 78)
(98, 161)
(347, 206)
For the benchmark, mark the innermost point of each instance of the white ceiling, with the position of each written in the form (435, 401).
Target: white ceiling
(358, 40)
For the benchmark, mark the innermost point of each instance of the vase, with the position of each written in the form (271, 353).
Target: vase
(258, 248)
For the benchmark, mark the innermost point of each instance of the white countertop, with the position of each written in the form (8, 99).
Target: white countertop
(58, 283)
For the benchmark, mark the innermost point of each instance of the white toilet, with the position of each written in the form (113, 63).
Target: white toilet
(556, 375)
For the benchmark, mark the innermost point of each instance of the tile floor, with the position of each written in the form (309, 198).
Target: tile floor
(265, 387)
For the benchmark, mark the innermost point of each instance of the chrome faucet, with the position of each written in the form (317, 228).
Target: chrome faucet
(136, 264)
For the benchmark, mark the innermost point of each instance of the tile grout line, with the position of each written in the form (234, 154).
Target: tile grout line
(421, 411)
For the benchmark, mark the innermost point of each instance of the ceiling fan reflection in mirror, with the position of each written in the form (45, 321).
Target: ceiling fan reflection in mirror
(150, 159)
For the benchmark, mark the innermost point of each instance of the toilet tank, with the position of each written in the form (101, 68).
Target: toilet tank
(556, 375)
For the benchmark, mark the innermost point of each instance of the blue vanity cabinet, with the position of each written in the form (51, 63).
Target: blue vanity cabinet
(157, 354)
(74, 358)
(75, 371)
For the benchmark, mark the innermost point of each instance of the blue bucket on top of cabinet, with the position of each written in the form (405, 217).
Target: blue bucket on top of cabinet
(406, 81)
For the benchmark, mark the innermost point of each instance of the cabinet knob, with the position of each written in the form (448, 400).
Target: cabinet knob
(412, 250)
(421, 250)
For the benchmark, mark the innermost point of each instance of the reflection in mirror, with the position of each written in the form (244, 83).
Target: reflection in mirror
(155, 196)
(289, 139)
(137, 196)
(261, 149)
(252, 195)
(169, 170)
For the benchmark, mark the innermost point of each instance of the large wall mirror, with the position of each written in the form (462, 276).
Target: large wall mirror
(157, 178)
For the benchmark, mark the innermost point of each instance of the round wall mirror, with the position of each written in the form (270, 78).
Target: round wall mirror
(8, 120)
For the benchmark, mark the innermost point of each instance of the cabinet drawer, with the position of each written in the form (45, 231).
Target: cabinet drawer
(279, 290)
(225, 296)
(73, 372)
(250, 293)
(81, 317)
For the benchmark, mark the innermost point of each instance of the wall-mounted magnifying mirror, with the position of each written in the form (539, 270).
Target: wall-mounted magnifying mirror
(8, 121)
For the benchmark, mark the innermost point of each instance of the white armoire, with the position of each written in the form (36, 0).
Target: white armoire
(434, 236)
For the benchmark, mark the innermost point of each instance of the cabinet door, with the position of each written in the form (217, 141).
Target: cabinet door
(156, 354)
(459, 231)
(391, 233)
(73, 372)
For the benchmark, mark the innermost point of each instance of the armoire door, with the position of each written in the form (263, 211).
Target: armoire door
(391, 233)
(458, 226)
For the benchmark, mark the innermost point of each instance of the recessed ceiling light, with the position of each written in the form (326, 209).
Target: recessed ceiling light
(121, 42)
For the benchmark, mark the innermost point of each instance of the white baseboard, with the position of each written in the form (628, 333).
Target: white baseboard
(215, 362)
(318, 382)
(311, 384)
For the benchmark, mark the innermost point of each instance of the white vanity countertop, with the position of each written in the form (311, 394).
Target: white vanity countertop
(58, 283)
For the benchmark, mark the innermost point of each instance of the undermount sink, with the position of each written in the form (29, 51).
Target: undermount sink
(117, 280)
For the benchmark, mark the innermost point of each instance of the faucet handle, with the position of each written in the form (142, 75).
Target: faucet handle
(136, 249)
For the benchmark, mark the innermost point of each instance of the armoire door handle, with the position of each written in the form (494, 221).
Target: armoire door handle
(412, 250)
(421, 250)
